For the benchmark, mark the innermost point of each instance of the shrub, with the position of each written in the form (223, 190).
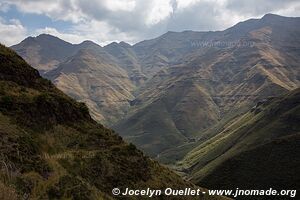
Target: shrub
(131, 147)
(6, 101)
(83, 108)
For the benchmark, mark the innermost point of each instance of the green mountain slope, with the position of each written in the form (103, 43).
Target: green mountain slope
(50, 148)
(258, 149)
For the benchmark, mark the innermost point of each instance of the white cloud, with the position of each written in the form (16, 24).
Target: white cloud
(181, 4)
(101, 32)
(11, 32)
(120, 5)
(133, 20)
(290, 10)
(159, 11)
(67, 10)
(98, 32)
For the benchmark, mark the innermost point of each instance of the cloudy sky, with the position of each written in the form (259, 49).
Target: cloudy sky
(104, 21)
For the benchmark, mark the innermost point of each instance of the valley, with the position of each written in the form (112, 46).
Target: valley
(51, 148)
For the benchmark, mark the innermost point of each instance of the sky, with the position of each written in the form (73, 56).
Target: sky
(105, 21)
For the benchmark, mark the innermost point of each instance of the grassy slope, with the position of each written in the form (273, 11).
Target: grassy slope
(174, 155)
(243, 148)
(50, 147)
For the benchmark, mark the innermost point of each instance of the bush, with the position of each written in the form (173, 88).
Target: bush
(6, 101)
(69, 188)
(44, 97)
(83, 108)
(131, 147)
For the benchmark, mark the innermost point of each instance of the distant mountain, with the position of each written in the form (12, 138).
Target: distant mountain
(92, 76)
(257, 150)
(85, 71)
(45, 52)
(126, 58)
(50, 148)
(167, 92)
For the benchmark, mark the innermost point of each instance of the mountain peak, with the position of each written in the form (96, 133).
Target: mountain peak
(50, 38)
(124, 44)
(270, 15)
(27, 41)
(116, 44)
(88, 43)
(47, 37)
(42, 38)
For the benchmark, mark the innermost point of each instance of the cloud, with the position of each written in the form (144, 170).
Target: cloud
(158, 12)
(4, 7)
(56, 9)
(133, 20)
(119, 5)
(98, 32)
(11, 31)
(257, 7)
(201, 15)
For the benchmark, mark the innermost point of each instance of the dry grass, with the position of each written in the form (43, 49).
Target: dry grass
(7, 193)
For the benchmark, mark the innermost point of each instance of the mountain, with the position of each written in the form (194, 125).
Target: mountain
(126, 58)
(84, 71)
(91, 76)
(258, 149)
(221, 75)
(50, 148)
(44, 52)
(167, 93)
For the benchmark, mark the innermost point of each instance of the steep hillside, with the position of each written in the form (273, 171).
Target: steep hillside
(50, 148)
(126, 58)
(258, 149)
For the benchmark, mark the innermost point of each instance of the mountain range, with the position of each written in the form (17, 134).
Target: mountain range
(166, 92)
(219, 107)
